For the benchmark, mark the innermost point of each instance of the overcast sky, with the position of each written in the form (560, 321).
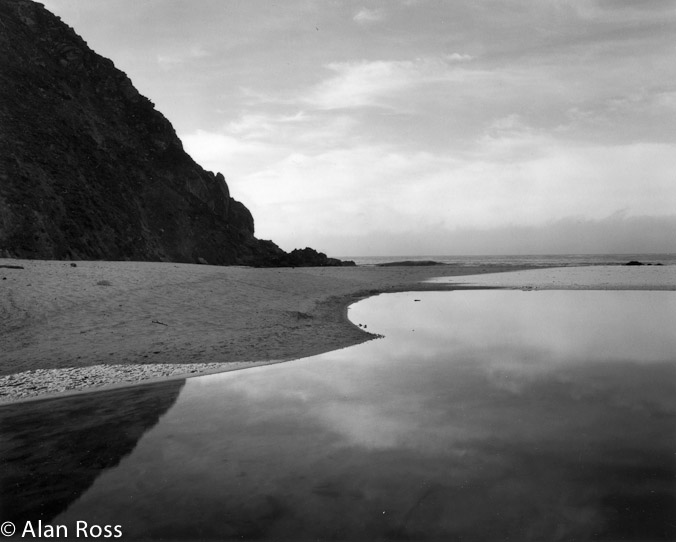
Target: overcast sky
(413, 127)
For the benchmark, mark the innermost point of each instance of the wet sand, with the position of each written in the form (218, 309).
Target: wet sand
(99, 324)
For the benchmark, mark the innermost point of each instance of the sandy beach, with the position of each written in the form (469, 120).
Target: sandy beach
(69, 326)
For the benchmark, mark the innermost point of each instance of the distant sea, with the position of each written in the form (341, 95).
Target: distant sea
(548, 260)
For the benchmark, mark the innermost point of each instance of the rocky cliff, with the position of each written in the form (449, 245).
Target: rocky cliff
(90, 170)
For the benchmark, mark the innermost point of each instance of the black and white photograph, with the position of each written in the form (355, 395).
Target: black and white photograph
(338, 270)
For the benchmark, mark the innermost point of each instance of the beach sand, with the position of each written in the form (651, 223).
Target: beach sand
(66, 327)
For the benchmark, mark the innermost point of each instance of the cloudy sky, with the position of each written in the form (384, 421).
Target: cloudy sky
(413, 127)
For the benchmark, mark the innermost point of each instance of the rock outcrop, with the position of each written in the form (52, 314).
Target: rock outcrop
(90, 170)
(306, 257)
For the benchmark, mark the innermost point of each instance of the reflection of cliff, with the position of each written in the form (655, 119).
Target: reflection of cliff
(52, 451)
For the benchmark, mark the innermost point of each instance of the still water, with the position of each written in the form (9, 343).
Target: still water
(482, 415)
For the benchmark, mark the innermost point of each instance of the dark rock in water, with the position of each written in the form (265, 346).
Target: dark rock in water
(310, 257)
(634, 262)
(410, 263)
(306, 257)
(90, 170)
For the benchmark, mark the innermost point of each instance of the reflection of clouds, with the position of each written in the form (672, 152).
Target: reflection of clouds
(365, 425)
(564, 326)
(506, 346)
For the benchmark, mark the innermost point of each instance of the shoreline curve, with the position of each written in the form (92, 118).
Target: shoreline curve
(78, 327)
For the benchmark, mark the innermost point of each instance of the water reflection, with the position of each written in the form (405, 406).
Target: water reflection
(51, 451)
(482, 416)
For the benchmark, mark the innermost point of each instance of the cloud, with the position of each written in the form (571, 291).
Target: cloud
(361, 84)
(372, 83)
(569, 235)
(304, 174)
(626, 11)
(260, 125)
(412, 151)
(367, 16)
(255, 138)
(220, 151)
(260, 153)
(421, 196)
(173, 59)
(458, 57)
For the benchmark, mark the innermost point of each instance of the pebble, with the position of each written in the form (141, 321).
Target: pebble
(39, 382)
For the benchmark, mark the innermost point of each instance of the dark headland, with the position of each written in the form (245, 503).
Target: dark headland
(90, 170)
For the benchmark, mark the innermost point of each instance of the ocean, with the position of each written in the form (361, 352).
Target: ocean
(544, 260)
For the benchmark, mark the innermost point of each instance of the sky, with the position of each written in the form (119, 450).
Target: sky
(417, 127)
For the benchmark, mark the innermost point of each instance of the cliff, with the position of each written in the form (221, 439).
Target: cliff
(90, 170)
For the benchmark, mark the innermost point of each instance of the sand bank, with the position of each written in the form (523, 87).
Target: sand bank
(95, 324)
(601, 277)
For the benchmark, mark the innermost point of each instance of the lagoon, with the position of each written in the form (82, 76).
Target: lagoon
(481, 415)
